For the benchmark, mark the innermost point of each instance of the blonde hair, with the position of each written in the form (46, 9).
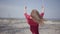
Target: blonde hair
(36, 16)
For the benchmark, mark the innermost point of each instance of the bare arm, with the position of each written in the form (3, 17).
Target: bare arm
(42, 12)
(42, 8)
(25, 9)
(25, 12)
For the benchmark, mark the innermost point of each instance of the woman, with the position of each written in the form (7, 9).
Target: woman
(34, 19)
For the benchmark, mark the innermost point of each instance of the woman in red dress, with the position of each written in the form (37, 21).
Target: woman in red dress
(34, 19)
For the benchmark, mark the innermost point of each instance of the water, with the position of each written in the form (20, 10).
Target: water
(21, 27)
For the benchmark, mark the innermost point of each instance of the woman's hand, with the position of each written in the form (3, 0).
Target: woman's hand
(25, 7)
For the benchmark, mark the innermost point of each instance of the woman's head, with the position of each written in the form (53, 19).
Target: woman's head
(35, 16)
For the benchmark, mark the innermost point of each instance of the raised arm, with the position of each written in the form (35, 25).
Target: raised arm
(25, 9)
(25, 12)
(42, 12)
(42, 8)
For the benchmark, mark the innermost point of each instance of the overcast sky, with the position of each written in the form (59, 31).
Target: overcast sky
(15, 8)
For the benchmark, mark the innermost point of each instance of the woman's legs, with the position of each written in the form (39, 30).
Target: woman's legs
(34, 29)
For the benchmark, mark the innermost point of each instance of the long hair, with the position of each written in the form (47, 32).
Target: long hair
(36, 16)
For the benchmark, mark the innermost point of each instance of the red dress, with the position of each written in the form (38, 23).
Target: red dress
(33, 25)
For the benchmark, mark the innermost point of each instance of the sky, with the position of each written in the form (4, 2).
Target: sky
(15, 8)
